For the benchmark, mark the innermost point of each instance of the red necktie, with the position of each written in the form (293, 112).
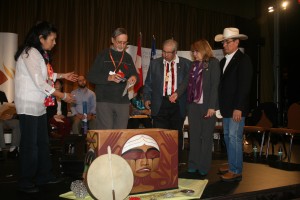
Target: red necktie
(173, 76)
(166, 79)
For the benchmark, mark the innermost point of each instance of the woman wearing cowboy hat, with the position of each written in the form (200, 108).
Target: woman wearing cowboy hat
(234, 91)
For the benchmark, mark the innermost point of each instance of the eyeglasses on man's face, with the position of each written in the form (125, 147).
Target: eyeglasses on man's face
(121, 42)
(227, 42)
(168, 52)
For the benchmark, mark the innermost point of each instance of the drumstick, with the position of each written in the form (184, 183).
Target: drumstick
(111, 172)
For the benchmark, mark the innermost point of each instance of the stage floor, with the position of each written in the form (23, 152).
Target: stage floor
(262, 179)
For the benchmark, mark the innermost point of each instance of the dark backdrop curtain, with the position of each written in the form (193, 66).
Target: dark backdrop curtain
(85, 26)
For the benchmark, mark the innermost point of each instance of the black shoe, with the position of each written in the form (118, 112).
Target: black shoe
(192, 171)
(202, 173)
(54, 180)
(13, 154)
(29, 190)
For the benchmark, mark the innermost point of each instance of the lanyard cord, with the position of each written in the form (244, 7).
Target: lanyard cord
(49, 69)
(113, 61)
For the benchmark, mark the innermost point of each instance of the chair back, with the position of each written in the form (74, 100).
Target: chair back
(294, 116)
(265, 115)
(271, 111)
(264, 121)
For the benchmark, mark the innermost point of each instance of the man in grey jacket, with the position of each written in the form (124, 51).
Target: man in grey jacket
(165, 90)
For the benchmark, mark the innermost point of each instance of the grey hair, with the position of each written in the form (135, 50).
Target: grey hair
(119, 31)
(171, 42)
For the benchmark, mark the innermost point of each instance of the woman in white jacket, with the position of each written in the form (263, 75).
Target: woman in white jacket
(34, 80)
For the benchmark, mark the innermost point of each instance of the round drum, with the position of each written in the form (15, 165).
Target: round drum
(103, 176)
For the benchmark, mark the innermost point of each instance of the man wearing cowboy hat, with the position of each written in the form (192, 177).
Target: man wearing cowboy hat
(234, 91)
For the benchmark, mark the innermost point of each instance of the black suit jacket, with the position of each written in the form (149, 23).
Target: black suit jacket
(153, 88)
(235, 85)
(52, 110)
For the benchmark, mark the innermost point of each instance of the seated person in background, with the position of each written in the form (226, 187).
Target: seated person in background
(138, 113)
(8, 121)
(58, 123)
(83, 94)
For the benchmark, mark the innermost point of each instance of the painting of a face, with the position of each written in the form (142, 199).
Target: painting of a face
(142, 154)
(151, 155)
(142, 160)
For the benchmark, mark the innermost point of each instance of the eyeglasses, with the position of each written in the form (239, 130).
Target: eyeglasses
(227, 42)
(121, 43)
(168, 52)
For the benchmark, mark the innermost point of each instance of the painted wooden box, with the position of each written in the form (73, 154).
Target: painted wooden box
(151, 153)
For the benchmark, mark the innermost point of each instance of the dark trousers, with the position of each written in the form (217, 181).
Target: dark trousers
(201, 137)
(35, 162)
(169, 117)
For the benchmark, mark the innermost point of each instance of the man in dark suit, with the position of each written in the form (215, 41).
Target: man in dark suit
(234, 91)
(165, 90)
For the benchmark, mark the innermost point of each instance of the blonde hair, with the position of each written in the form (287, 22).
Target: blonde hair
(203, 47)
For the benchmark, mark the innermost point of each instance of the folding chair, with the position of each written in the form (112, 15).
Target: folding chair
(262, 126)
(293, 127)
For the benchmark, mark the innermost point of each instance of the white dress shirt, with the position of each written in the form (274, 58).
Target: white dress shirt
(228, 59)
(31, 87)
(59, 112)
(168, 76)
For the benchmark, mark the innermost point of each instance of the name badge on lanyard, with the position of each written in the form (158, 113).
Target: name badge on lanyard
(111, 73)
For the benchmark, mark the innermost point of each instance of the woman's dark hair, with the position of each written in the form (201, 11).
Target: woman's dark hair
(32, 39)
(61, 83)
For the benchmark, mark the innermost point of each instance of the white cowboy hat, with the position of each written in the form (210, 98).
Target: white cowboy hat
(230, 33)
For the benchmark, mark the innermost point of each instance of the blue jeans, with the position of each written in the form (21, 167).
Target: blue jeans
(233, 136)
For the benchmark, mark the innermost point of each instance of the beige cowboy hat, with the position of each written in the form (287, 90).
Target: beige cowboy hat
(229, 33)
